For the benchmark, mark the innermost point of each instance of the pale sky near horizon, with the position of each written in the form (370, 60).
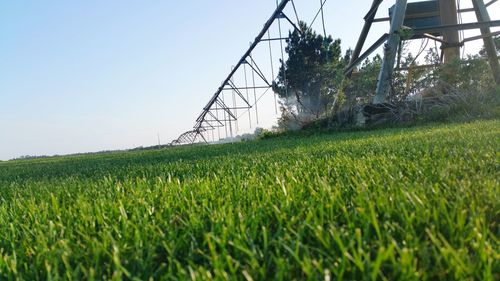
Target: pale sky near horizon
(83, 76)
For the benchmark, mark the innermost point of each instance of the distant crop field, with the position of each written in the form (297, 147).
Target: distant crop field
(396, 204)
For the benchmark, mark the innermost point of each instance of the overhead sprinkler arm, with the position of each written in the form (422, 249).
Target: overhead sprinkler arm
(258, 39)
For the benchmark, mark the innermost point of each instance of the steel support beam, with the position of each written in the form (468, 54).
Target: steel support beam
(449, 16)
(463, 26)
(364, 33)
(473, 10)
(489, 44)
(390, 52)
(365, 55)
(473, 38)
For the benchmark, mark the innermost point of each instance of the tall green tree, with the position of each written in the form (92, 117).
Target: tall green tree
(312, 72)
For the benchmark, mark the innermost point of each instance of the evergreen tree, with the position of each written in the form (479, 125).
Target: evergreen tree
(312, 71)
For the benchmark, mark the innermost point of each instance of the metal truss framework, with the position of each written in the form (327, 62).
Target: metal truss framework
(447, 28)
(223, 113)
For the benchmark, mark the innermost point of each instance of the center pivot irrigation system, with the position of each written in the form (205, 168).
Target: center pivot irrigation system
(233, 100)
(432, 20)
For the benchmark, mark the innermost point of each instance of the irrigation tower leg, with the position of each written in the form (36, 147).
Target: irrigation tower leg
(364, 33)
(449, 16)
(489, 44)
(390, 52)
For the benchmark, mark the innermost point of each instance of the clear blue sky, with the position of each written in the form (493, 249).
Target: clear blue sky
(80, 76)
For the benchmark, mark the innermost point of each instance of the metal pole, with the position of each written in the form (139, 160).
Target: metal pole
(390, 51)
(254, 92)
(283, 58)
(449, 16)
(225, 116)
(234, 105)
(217, 116)
(322, 17)
(246, 89)
(364, 33)
(489, 44)
(272, 69)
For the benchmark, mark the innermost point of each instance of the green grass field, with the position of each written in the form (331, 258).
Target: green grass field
(395, 204)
